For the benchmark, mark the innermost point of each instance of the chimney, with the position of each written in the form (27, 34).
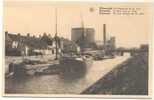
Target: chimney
(18, 34)
(104, 34)
(6, 32)
(28, 34)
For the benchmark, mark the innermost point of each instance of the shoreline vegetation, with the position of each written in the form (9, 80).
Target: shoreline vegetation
(128, 78)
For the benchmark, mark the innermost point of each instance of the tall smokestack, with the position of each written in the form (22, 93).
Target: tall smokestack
(104, 34)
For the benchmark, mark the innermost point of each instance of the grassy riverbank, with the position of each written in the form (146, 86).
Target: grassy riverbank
(128, 78)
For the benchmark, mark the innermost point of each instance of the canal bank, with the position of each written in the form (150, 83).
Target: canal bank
(128, 78)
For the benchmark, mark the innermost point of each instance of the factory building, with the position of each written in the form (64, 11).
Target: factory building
(78, 33)
(84, 37)
(110, 44)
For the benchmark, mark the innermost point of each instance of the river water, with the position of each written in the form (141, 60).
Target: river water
(61, 84)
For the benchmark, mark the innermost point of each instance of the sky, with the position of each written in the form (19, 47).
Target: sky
(38, 17)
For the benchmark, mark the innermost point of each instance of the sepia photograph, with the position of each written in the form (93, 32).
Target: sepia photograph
(77, 49)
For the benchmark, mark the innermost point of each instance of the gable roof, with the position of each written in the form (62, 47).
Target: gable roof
(32, 42)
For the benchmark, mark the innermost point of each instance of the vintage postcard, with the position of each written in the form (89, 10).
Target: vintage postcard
(77, 49)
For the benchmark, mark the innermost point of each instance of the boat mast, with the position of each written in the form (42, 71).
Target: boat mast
(56, 37)
(104, 36)
(83, 33)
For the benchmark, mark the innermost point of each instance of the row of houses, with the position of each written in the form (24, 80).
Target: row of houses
(18, 45)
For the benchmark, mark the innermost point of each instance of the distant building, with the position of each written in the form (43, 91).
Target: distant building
(17, 45)
(78, 33)
(111, 44)
(84, 37)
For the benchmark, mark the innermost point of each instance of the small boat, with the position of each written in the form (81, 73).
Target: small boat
(31, 67)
